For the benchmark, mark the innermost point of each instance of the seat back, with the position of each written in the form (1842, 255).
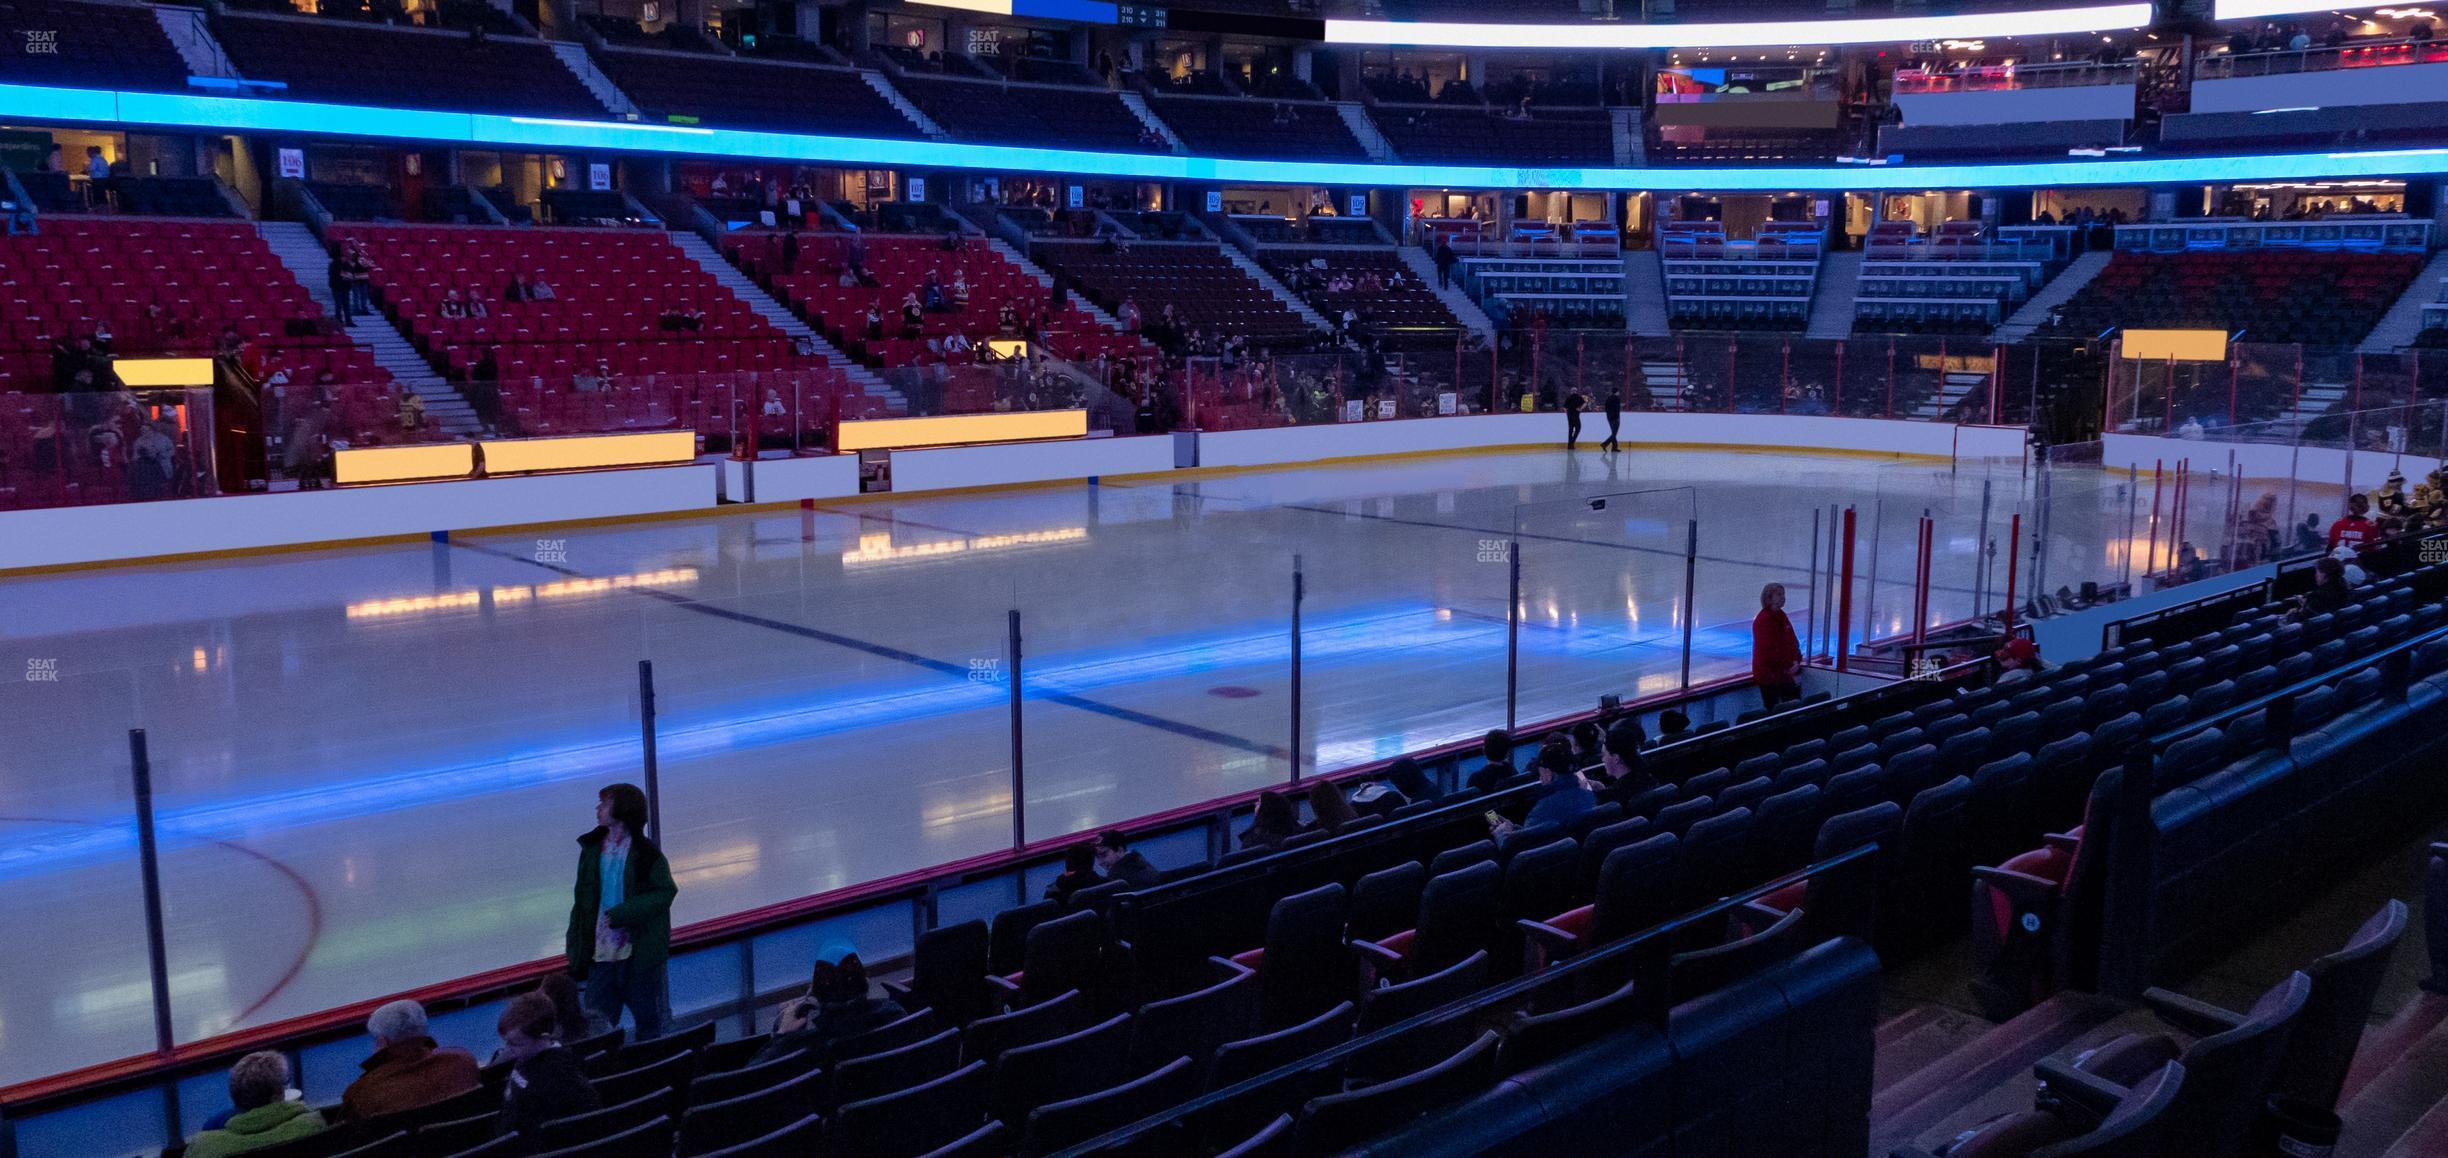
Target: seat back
(716, 1125)
(2228, 1075)
(1195, 1023)
(1541, 881)
(950, 966)
(1008, 937)
(1058, 1125)
(798, 1138)
(917, 1119)
(1307, 965)
(1331, 1124)
(987, 1037)
(882, 1073)
(2001, 807)
(1070, 1066)
(596, 1125)
(1459, 915)
(752, 1079)
(648, 1139)
(1637, 888)
(1461, 856)
(1385, 902)
(1707, 970)
(1716, 854)
(2331, 1026)
(893, 1034)
(1239, 1061)
(1062, 956)
(1382, 1007)
(1604, 841)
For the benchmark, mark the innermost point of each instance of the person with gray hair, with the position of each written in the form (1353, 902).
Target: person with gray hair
(259, 1090)
(408, 1070)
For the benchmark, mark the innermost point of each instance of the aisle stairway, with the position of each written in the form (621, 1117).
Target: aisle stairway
(2404, 321)
(1833, 300)
(2061, 289)
(1645, 294)
(1258, 273)
(747, 290)
(300, 250)
(1463, 306)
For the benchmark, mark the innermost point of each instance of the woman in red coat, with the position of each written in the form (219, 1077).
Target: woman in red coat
(1776, 656)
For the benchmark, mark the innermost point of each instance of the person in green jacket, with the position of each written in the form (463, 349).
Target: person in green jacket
(620, 920)
(259, 1088)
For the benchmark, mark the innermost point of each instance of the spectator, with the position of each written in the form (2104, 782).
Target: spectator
(2355, 530)
(1274, 823)
(20, 216)
(1497, 749)
(97, 166)
(1121, 863)
(539, 290)
(1405, 778)
(838, 1005)
(790, 251)
(2308, 536)
(547, 1081)
(1562, 794)
(360, 279)
(1776, 655)
(1079, 872)
(2330, 592)
(1626, 774)
(913, 318)
(516, 290)
(620, 920)
(2018, 660)
(1326, 803)
(152, 462)
(875, 324)
(407, 1070)
(1574, 404)
(2347, 561)
(264, 1113)
(1673, 726)
(337, 280)
(960, 289)
(571, 1021)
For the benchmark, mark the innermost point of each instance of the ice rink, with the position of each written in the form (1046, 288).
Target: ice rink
(370, 764)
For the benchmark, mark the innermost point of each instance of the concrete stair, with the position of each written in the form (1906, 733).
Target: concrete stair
(1472, 317)
(1147, 116)
(1664, 380)
(1283, 292)
(2060, 290)
(302, 252)
(1645, 294)
(574, 56)
(1356, 118)
(1952, 390)
(193, 38)
(747, 290)
(1012, 254)
(2316, 399)
(2404, 321)
(884, 88)
(1833, 300)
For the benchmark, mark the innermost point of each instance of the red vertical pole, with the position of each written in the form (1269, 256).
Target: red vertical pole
(2150, 558)
(1844, 597)
(2014, 558)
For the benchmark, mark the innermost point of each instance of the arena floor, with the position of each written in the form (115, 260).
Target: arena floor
(370, 763)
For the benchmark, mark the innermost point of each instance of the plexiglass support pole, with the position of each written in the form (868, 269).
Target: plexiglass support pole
(148, 852)
(1299, 591)
(646, 752)
(1011, 666)
(1691, 574)
(1810, 644)
(1513, 598)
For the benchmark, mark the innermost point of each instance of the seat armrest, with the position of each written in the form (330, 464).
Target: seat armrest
(2021, 888)
(1910, 1152)
(901, 994)
(1378, 956)
(1227, 968)
(2084, 1098)
(1001, 993)
(2199, 1018)
(2068, 841)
